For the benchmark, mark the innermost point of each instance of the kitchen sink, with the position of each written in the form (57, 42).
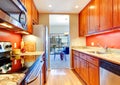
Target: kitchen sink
(98, 52)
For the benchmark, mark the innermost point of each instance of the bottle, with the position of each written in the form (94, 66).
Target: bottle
(22, 46)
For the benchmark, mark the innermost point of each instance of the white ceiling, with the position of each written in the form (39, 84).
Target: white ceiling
(60, 6)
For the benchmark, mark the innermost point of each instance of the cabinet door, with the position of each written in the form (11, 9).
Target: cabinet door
(28, 4)
(84, 70)
(75, 64)
(35, 17)
(116, 13)
(93, 16)
(93, 74)
(105, 14)
(83, 24)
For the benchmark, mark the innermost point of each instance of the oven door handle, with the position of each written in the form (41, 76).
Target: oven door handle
(34, 73)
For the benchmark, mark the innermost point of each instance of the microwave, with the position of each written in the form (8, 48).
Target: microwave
(13, 13)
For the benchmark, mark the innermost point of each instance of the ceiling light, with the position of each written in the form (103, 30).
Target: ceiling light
(92, 7)
(50, 5)
(76, 6)
(6, 25)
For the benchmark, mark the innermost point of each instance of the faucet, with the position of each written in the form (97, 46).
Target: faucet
(105, 47)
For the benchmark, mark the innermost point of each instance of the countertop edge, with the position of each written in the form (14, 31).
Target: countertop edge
(100, 56)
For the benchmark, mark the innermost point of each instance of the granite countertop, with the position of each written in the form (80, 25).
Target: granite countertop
(110, 56)
(11, 79)
(31, 53)
(15, 78)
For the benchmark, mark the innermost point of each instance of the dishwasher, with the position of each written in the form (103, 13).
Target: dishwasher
(109, 73)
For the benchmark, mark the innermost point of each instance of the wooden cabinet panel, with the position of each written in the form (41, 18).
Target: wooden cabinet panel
(87, 67)
(83, 56)
(116, 13)
(93, 60)
(84, 70)
(32, 14)
(35, 15)
(93, 16)
(105, 14)
(28, 5)
(93, 74)
(84, 20)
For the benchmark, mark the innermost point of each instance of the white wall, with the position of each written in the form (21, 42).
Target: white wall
(74, 32)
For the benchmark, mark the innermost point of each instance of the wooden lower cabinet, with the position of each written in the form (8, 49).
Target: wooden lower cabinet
(93, 74)
(84, 70)
(87, 68)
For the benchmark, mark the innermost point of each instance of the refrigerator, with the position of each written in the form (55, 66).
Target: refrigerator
(38, 40)
(41, 31)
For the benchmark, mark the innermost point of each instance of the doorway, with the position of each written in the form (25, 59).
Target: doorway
(59, 41)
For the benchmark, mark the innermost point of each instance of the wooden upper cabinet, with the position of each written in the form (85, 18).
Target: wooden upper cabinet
(28, 5)
(105, 14)
(93, 16)
(35, 14)
(32, 14)
(83, 23)
(116, 13)
(23, 1)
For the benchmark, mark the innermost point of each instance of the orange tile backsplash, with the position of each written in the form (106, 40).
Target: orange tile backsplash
(111, 40)
(10, 36)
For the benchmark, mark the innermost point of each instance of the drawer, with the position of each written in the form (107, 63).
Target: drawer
(76, 53)
(83, 56)
(93, 60)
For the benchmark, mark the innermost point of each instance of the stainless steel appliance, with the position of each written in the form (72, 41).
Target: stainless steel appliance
(109, 73)
(12, 15)
(34, 74)
(5, 62)
(40, 37)
(41, 31)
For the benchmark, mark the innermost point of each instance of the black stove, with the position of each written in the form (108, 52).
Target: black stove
(5, 61)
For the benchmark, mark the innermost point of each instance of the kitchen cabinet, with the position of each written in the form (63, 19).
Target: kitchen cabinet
(76, 61)
(101, 15)
(105, 14)
(93, 74)
(84, 70)
(93, 25)
(88, 67)
(28, 5)
(93, 70)
(32, 14)
(116, 13)
(35, 14)
(83, 24)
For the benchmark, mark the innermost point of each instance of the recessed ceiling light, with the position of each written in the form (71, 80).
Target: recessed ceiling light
(92, 7)
(50, 5)
(76, 6)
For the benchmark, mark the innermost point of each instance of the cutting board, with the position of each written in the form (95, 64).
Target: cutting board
(30, 46)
